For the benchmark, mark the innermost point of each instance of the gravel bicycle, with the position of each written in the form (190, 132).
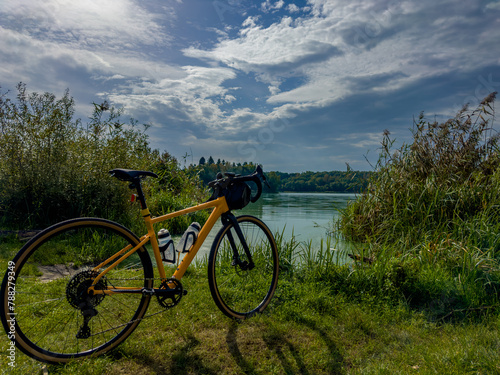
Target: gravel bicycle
(81, 287)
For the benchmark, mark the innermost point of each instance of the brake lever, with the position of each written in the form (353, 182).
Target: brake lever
(262, 176)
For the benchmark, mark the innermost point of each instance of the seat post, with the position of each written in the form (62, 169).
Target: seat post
(136, 184)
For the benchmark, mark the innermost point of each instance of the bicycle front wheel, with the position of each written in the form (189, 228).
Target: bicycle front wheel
(238, 290)
(44, 298)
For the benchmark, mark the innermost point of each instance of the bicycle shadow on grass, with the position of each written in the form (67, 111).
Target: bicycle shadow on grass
(183, 360)
(292, 363)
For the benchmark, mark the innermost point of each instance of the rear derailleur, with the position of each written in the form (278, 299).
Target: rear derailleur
(78, 297)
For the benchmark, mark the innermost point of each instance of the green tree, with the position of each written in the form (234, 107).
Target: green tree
(273, 179)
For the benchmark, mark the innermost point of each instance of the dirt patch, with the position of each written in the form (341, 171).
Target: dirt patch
(22, 235)
(57, 271)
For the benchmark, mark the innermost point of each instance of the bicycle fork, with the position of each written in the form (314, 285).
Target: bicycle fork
(246, 265)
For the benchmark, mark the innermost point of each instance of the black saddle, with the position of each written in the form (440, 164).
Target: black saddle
(131, 175)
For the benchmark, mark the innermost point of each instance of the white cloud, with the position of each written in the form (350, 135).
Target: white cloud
(195, 98)
(85, 46)
(269, 5)
(269, 67)
(364, 141)
(279, 50)
(110, 24)
(42, 63)
(62, 38)
(344, 44)
(493, 5)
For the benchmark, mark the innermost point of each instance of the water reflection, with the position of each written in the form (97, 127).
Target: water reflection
(307, 215)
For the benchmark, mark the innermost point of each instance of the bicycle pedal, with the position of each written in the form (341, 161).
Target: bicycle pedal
(184, 292)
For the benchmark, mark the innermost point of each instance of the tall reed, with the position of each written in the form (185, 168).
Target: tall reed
(438, 184)
(432, 212)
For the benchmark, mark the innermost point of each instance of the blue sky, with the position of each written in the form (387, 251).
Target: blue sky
(294, 85)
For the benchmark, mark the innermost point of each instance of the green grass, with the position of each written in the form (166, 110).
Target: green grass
(307, 334)
(325, 318)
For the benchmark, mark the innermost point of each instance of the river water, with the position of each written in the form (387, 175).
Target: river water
(308, 216)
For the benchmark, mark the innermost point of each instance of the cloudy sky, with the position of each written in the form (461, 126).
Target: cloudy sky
(294, 85)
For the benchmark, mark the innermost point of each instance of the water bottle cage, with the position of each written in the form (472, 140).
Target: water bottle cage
(184, 250)
(163, 252)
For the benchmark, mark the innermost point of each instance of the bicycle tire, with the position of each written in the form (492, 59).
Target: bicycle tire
(238, 293)
(51, 276)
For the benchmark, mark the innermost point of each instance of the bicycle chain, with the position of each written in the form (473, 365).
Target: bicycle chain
(135, 320)
(147, 279)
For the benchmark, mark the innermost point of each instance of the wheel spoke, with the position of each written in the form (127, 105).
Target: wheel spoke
(240, 291)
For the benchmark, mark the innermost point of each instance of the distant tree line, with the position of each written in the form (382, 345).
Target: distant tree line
(333, 181)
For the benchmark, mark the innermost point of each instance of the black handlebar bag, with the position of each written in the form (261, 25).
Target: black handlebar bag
(237, 195)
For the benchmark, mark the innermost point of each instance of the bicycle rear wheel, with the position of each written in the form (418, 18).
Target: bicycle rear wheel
(55, 318)
(238, 292)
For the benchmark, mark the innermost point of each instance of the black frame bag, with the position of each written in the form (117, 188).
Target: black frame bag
(237, 195)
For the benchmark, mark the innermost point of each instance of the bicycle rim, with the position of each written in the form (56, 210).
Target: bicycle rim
(242, 293)
(55, 318)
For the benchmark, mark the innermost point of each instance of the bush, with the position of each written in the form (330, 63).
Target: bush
(174, 190)
(53, 167)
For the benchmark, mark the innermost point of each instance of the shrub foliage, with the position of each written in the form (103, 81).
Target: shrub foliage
(439, 185)
(430, 216)
(53, 167)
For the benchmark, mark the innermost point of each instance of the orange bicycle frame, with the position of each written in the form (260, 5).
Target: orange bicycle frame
(219, 207)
